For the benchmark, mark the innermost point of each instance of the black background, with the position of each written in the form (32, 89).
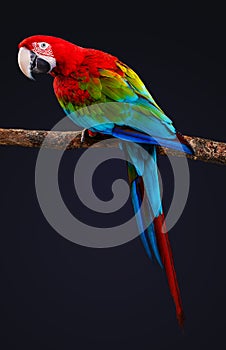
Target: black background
(58, 295)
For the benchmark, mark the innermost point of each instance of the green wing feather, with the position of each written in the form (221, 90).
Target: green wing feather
(136, 83)
(112, 86)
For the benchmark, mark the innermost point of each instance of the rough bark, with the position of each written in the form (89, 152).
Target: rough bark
(204, 149)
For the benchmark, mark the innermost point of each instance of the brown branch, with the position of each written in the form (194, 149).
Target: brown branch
(204, 150)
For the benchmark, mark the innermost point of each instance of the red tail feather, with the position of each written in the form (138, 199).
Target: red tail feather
(167, 260)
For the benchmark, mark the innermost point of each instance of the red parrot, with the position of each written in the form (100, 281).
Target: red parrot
(83, 77)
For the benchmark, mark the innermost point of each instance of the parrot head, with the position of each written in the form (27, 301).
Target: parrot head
(47, 54)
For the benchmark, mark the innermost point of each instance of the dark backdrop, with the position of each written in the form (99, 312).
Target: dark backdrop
(58, 295)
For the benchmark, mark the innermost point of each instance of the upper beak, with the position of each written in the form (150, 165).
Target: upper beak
(24, 61)
(30, 63)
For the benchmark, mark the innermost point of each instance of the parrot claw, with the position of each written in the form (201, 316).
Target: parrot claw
(83, 135)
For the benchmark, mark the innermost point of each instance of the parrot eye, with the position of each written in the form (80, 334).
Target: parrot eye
(42, 48)
(43, 45)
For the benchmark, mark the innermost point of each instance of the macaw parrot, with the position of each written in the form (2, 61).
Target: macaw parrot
(83, 77)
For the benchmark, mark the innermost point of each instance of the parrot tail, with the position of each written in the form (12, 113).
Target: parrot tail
(145, 191)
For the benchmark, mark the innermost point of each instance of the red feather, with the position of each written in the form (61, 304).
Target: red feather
(168, 262)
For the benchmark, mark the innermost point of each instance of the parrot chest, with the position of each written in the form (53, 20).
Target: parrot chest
(74, 95)
(69, 91)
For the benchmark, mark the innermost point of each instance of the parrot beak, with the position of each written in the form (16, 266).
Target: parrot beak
(30, 63)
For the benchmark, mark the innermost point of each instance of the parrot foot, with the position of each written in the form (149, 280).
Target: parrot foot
(90, 133)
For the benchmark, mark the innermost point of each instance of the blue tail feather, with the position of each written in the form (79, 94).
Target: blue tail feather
(136, 201)
(151, 204)
(153, 242)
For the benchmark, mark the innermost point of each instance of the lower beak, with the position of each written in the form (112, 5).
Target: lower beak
(30, 63)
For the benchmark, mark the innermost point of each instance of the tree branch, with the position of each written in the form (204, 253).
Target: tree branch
(204, 150)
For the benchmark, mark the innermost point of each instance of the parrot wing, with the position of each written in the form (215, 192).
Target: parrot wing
(133, 114)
